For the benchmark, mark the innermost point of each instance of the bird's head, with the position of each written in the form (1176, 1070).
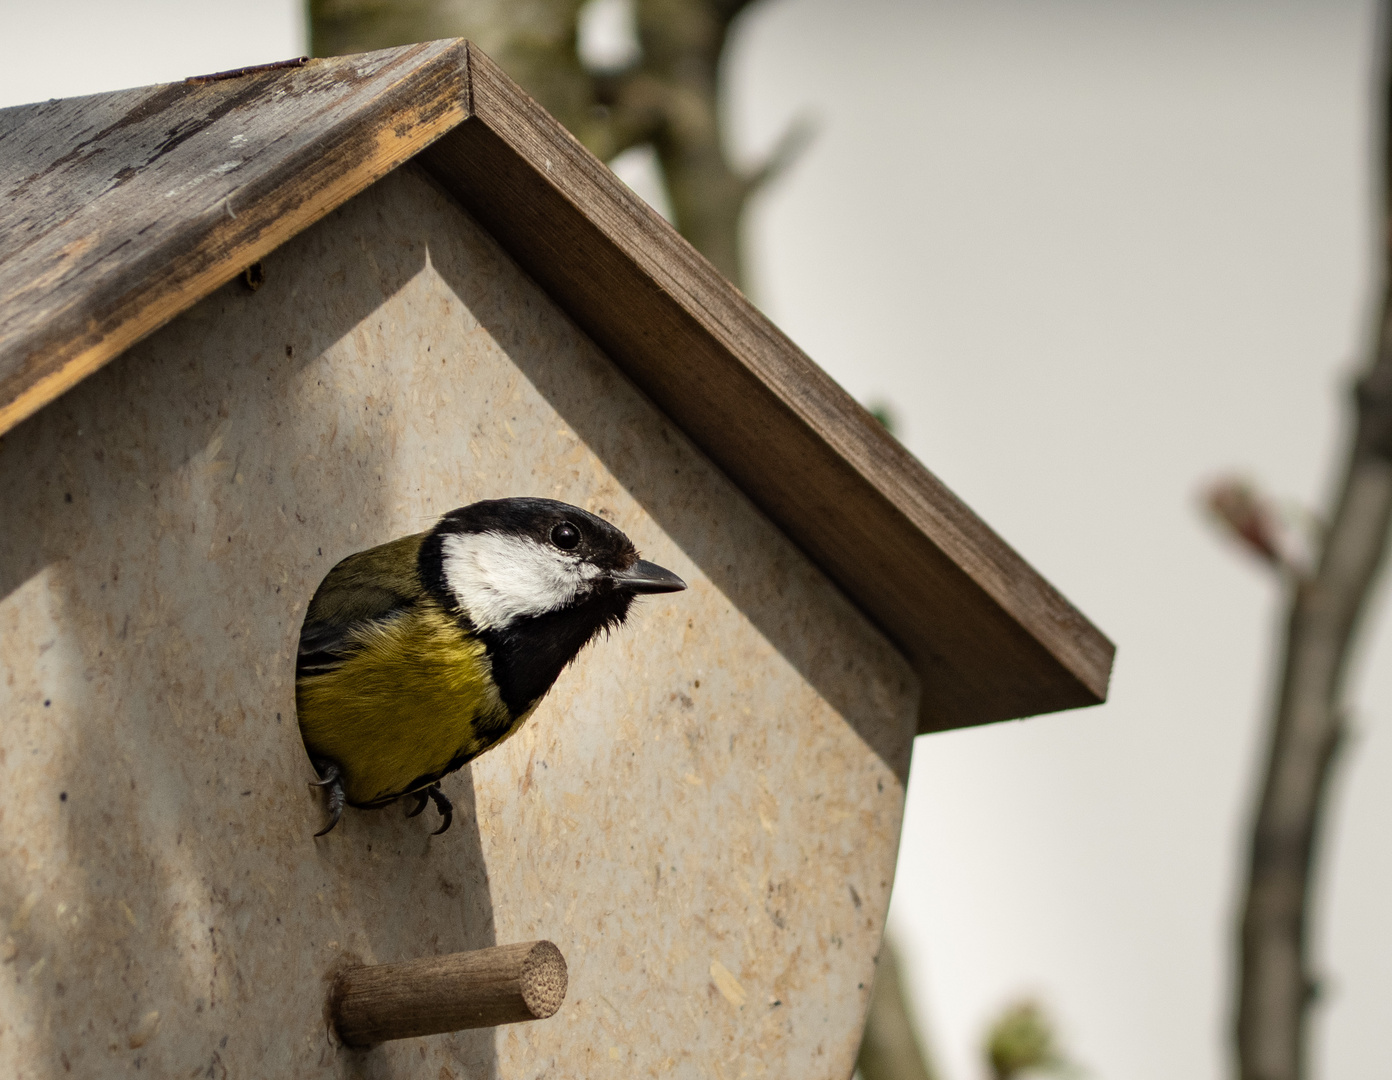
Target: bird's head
(503, 562)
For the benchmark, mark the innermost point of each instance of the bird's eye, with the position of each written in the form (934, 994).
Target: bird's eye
(566, 536)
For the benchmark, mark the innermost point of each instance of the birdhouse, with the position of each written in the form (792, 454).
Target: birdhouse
(254, 322)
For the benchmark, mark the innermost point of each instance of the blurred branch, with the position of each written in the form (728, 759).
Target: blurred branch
(668, 97)
(890, 1048)
(1249, 517)
(791, 145)
(682, 42)
(1276, 983)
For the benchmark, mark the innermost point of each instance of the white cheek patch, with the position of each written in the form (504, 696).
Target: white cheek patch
(498, 579)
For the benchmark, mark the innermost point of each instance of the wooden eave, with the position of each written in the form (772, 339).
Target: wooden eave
(122, 210)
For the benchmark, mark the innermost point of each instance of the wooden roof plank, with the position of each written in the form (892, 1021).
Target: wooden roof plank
(123, 210)
(991, 638)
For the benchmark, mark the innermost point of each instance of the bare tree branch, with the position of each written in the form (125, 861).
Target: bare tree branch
(791, 145)
(682, 42)
(534, 41)
(669, 97)
(1252, 519)
(1277, 985)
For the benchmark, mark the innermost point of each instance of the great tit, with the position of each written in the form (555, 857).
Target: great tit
(417, 656)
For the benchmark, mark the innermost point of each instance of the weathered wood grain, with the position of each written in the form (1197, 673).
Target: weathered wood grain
(506, 984)
(124, 209)
(121, 210)
(990, 637)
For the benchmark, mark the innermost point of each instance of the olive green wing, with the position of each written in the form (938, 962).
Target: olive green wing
(367, 587)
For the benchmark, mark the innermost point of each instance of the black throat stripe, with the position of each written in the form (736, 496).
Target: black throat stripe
(529, 655)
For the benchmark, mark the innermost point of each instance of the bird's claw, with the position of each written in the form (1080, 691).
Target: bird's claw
(328, 774)
(442, 804)
(421, 800)
(330, 778)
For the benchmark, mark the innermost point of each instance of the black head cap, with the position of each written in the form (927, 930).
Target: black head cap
(547, 521)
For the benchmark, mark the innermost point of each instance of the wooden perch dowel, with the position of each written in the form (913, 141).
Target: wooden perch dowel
(435, 994)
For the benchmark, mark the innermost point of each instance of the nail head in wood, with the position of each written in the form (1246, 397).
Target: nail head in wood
(502, 985)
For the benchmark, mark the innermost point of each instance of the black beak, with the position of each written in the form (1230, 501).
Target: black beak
(646, 577)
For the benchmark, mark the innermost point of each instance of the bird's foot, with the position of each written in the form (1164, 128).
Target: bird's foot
(443, 805)
(330, 778)
(421, 799)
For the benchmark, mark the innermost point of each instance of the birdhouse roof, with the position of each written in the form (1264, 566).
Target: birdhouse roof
(122, 210)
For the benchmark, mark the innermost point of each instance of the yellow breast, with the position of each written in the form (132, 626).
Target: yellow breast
(415, 700)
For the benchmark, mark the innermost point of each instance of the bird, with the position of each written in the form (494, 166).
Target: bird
(418, 655)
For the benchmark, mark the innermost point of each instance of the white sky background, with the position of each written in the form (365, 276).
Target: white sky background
(1093, 253)
(64, 48)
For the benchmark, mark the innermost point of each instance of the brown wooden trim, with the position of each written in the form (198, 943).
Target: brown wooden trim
(990, 638)
(87, 286)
